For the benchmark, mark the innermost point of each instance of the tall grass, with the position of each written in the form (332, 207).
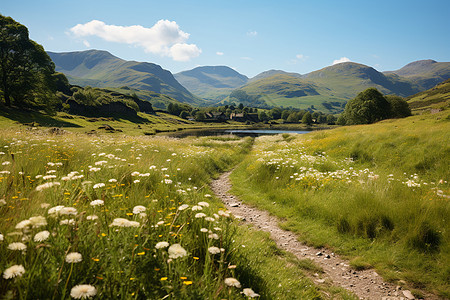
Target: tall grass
(378, 193)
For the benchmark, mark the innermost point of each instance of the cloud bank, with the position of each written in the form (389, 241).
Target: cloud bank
(165, 38)
(340, 60)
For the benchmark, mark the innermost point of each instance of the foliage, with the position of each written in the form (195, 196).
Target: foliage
(307, 118)
(25, 69)
(399, 107)
(368, 107)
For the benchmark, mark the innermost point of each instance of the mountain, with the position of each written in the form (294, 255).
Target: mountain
(270, 73)
(211, 82)
(346, 80)
(437, 98)
(102, 69)
(424, 73)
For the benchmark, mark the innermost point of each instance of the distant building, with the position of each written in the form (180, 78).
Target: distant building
(215, 117)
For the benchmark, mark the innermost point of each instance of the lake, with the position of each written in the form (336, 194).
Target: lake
(236, 132)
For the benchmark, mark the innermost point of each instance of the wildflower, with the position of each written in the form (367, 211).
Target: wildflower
(97, 202)
(136, 181)
(213, 236)
(168, 181)
(47, 185)
(49, 177)
(204, 204)
(6, 163)
(112, 180)
(100, 163)
(200, 215)
(196, 207)
(176, 251)
(161, 245)
(250, 293)
(83, 291)
(230, 281)
(67, 222)
(1, 237)
(121, 222)
(13, 271)
(204, 230)
(183, 207)
(209, 219)
(207, 195)
(2, 202)
(213, 250)
(68, 211)
(73, 257)
(92, 217)
(98, 185)
(38, 221)
(55, 210)
(138, 209)
(23, 224)
(224, 213)
(94, 169)
(135, 174)
(18, 246)
(41, 236)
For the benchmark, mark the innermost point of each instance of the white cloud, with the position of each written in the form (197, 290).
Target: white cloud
(300, 56)
(165, 38)
(86, 43)
(219, 53)
(252, 33)
(341, 60)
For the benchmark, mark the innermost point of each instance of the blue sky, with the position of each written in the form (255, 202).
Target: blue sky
(249, 36)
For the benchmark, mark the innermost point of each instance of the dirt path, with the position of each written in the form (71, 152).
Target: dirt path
(366, 284)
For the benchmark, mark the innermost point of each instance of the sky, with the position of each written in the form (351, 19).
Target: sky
(250, 36)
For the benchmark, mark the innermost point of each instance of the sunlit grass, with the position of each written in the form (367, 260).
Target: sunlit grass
(378, 193)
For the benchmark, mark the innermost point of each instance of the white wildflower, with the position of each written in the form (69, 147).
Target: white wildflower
(176, 251)
(183, 207)
(139, 209)
(14, 271)
(161, 245)
(47, 185)
(17, 246)
(97, 202)
(204, 204)
(83, 291)
(112, 180)
(73, 257)
(41, 236)
(38, 221)
(98, 185)
(196, 207)
(92, 217)
(200, 215)
(214, 250)
(250, 293)
(68, 211)
(230, 281)
(204, 230)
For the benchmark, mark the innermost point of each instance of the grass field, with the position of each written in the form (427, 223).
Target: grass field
(378, 194)
(132, 218)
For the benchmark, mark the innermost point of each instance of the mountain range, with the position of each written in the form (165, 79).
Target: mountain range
(326, 89)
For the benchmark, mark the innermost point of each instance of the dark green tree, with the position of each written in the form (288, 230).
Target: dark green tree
(275, 113)
(368, 107)
(25, 68)
(331, 119)
(399, 107)
(307, 118)
(184, 114)
(263, 116)
(285, 114)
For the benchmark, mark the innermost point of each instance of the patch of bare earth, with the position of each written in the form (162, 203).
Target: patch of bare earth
(365, 284)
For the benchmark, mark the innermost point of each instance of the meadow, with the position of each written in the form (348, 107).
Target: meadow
(377, 194)
(120, 217)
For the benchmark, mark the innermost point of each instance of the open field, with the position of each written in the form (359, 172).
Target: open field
(378, 194)
(132, 218)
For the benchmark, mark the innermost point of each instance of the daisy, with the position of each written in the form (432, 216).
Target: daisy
(176, 251)
(13, 271)
(73, 257)
(161, 245)
(17, 246)
(83, 291)
(230, 281)
(41, 236)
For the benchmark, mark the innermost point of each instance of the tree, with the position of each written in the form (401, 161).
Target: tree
(331, 119)
(399, 107)
(307, 118)
(263, 116)
(368, 107)
(184, 114)
(25, 68)
(275, 113)
(285, 114)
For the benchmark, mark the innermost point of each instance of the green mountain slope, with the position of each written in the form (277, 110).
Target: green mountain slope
(424, 73)
(436, 98)
(102, 69)
(328, 88)
(211, 82)
(271, 73)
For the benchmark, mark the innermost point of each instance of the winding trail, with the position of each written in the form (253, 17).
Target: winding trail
(366, 284)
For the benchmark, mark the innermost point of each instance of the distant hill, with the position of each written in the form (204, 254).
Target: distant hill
(437, 97)
(424, 73)
(102, 69)
(211, 82)
(271, 73)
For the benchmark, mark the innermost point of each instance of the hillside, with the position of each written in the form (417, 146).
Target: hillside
(102, 69)
(271, 73)
(211, 82)
(436, 98)
(424, 73)
(328, 88)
